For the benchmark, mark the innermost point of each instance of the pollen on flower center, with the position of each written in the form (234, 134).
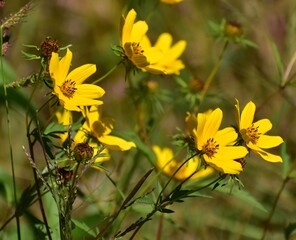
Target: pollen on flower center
(68, 88)
(137, 49)
(210, 147)
(253, 134)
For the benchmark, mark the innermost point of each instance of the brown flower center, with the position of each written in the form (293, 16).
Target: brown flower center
(210, 147)
(137, 49)
(68, 88)
(253, 134)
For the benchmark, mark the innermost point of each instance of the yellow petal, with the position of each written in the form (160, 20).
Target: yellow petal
(224, 165)
(116, 143)
(138, 31)
(212, 124)
(164, 41)
(128, 26)
(81, 73)
(226, 136)
(266, 141)
(54, 68)
(268, 156)
(231, 152)
(264, 125)
(89, 91)
(247, 115)
(64, 66)
(191, 123)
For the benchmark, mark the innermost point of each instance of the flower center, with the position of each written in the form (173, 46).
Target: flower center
(253, 134)
(210, 147)
(137, 49)
(68, 88)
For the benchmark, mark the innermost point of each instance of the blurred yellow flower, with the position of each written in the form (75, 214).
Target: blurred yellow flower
(216, 145)
(100, 128)
(162, 58)
(68, 87)
(171, 1)
(64, 117)
(169, 62)
(253, 133)
(167, 164)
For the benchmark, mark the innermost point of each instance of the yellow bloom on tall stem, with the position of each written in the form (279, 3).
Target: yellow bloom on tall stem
(216, 146)
(100, 128)
(68, 87)
(167, 164)
(162, 58)
(253, 133)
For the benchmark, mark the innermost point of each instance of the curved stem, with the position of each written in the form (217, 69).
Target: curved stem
(276, 200)
(213, 73)
(107, 73)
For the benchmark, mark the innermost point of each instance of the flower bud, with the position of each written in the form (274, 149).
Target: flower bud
(83, 152)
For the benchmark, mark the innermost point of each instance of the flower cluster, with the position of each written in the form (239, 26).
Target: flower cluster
(160, 58)
(224, 149)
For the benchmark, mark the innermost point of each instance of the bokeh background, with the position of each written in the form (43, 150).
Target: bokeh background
(93, 27)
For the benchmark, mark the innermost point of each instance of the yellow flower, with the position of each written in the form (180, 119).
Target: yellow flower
(253, 133)
(171, 1)
(100, 128)
(169, 62)
(216, 145)
(136, 44)
(162, 58)
(68, 87)
(166, 163)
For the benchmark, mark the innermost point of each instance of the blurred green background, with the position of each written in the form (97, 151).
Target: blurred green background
(93, 26)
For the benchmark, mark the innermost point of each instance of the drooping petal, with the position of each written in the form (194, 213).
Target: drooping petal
(247, 115)
(231, 152)
(266, 141)
(81, 73)
(116, 143)
(269, 156)
(224, 165)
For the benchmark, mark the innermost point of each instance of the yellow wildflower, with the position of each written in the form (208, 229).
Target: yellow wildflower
(162, 58)
(68, 87)
(100, 128)
(165, 162)
(169, 62)
(216, 145)
(253, 133)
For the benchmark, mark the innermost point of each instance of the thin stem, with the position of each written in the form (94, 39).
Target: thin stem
(107, 73)
(276, 200)
(9, 135)
(213, 73)
(288, 70)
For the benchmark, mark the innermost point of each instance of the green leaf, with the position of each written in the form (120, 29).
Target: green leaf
(165, 210)
(290, 231)
(279, 62)
(83, 226)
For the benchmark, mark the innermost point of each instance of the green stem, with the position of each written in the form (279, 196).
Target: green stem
(9, 135)
(213, 73)
(276, 200)
(107, 73)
